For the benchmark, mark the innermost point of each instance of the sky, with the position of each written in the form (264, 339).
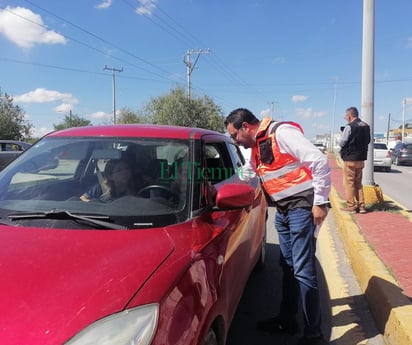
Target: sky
(297, 60)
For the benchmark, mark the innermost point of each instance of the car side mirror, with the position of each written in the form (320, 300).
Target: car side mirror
(234, 196)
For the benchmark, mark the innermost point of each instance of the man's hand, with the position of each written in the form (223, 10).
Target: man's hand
(319, 213)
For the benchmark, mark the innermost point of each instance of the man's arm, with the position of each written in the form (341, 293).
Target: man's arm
(292, 141)
(345, 136)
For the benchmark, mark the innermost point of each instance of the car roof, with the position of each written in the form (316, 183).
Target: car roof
(134, 130)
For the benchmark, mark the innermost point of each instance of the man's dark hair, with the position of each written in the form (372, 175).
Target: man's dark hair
(240, 115)
(354, 111)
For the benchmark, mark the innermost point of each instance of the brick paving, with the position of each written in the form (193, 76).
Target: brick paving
(388, 233)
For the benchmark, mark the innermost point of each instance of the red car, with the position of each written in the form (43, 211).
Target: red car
(84, 260)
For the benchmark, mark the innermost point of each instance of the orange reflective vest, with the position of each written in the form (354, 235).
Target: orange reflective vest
(281, 174)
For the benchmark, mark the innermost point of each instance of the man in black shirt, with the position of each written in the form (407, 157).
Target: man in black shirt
(354, 143)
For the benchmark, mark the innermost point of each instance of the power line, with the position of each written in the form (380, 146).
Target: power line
(176, 30)
(71, 69)
(100, 39)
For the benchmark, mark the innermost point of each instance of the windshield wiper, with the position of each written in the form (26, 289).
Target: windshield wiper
(91, 219)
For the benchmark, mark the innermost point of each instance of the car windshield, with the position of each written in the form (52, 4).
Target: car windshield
(72, 182)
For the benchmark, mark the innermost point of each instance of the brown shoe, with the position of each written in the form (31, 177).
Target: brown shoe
(352, 209)
(363, 210)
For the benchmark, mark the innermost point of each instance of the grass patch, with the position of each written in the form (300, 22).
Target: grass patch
(385, 206)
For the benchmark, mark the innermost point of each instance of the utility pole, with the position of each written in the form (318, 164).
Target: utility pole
(190, 66)
(405, 101)
(368, 80)
(387, 131)
(332, 133)
(113, 88)
(272, 109)
(403, 119)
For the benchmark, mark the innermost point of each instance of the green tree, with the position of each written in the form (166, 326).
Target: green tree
(127, 115)
(177, 109)
(13, 125)
(71, 120)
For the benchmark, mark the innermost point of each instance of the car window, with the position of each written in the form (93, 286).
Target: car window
(236, 155)
(380, 146)
(219, 165)
(10, 147)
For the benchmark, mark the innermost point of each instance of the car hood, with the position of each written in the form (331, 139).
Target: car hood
(56, 282)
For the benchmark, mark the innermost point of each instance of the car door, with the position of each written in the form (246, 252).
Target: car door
(240, 231)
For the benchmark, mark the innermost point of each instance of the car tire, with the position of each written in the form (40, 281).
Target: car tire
(388, 169)
(210, 338)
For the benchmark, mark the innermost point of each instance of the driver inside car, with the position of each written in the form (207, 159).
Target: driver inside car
(118, 181)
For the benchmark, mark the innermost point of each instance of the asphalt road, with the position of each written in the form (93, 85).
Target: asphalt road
(396, 184)
(346, 318)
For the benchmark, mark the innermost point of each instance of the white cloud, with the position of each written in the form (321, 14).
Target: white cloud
(63, 108)
(309, 113)
(299, 98)
(25, 28)
(41, 95)
(266, 113)
(322, 126)
(100, 115)
(146, 7)
(38, 132)
(104, 4)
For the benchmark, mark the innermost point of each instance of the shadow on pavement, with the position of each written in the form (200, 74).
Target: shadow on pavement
(261, 300)
(394, 297)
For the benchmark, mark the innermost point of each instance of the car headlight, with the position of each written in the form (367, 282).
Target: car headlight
(133, 326)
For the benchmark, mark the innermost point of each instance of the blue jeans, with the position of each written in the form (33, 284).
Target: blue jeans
(297, 258)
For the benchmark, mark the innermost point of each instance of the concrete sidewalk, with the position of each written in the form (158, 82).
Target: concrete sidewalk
(379, 246)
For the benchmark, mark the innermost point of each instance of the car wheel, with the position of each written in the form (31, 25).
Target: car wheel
(388, 169)
(210, 338)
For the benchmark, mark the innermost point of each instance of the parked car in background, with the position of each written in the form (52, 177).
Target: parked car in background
(10, 149)
(166, 263)
(321, 147)
(381, 157)
(402, 154)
